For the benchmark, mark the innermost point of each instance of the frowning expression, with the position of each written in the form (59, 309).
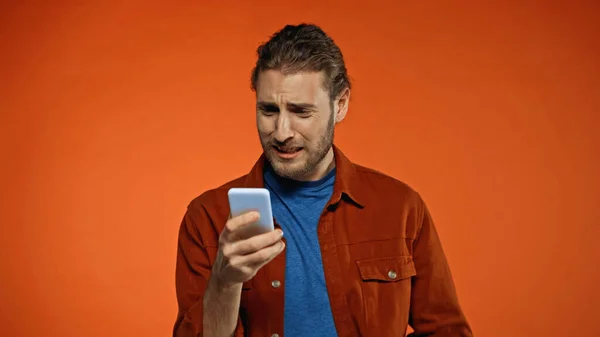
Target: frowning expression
(296, 118)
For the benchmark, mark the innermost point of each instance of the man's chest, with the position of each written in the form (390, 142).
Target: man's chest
(365, 257)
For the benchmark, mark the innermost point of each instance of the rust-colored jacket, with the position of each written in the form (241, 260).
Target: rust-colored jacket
(383, 262)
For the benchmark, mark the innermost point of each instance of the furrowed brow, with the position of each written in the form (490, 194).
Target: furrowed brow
(303, 106)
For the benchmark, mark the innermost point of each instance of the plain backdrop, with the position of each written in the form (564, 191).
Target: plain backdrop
(115, 115)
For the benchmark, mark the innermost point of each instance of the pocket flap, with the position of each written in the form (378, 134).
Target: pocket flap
(387, 269)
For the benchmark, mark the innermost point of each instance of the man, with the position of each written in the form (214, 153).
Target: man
(360, 255)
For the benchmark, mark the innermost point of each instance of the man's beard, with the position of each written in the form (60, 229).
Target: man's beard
(313, 156)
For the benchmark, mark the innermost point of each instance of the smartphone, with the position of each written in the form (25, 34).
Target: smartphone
(242, 200)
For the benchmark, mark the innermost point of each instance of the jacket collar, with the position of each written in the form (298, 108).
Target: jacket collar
(345, 185)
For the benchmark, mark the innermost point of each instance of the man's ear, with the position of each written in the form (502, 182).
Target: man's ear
(341, 105)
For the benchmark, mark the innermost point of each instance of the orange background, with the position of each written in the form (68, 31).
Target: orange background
(113, 117)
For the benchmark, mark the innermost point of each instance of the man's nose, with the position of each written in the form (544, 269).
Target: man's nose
(283, 129)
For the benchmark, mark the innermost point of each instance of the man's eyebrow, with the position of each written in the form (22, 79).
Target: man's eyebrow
(307, 106)
(263, 104)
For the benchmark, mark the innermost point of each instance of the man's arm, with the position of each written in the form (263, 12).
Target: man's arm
(205, 308)
(209, 296)
(434, 309)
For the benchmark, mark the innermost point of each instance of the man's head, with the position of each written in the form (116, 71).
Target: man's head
(302, 91)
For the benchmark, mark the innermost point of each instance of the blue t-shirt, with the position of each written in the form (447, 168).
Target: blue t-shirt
(297, 207)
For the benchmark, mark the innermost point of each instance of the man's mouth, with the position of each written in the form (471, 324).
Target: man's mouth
(287, 152)
(287, 149)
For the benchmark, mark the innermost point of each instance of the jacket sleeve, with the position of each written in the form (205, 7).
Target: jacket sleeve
(434, 309)
(192, 272)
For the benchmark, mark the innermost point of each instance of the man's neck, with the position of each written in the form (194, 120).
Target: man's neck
(323, 168)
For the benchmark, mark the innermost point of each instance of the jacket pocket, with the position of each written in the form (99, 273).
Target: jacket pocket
(387, 269)
(386, 287)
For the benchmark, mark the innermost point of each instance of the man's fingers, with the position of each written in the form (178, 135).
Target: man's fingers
(274, 255)
(263, 256)
(247, 218)
(257, 242)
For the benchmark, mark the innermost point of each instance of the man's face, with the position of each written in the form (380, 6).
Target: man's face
(295, 120)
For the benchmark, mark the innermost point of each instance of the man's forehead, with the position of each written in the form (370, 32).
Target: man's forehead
(304, 86)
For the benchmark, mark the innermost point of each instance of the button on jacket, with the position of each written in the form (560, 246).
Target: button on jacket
(383, 262)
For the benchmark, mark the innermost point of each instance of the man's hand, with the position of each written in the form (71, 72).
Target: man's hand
(239, 258)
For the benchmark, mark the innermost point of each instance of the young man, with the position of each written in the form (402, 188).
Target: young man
(360, 255)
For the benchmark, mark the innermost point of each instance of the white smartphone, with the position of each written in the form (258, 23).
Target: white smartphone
(242, 200)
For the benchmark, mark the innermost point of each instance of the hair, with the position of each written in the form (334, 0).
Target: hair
(303, 47)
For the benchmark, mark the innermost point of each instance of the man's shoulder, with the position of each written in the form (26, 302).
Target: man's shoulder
(377, 177)
(370, 181)
(377, 184)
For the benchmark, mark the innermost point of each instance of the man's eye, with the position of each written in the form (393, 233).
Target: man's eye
(268, 113)
(269, 110)
(303, 113)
